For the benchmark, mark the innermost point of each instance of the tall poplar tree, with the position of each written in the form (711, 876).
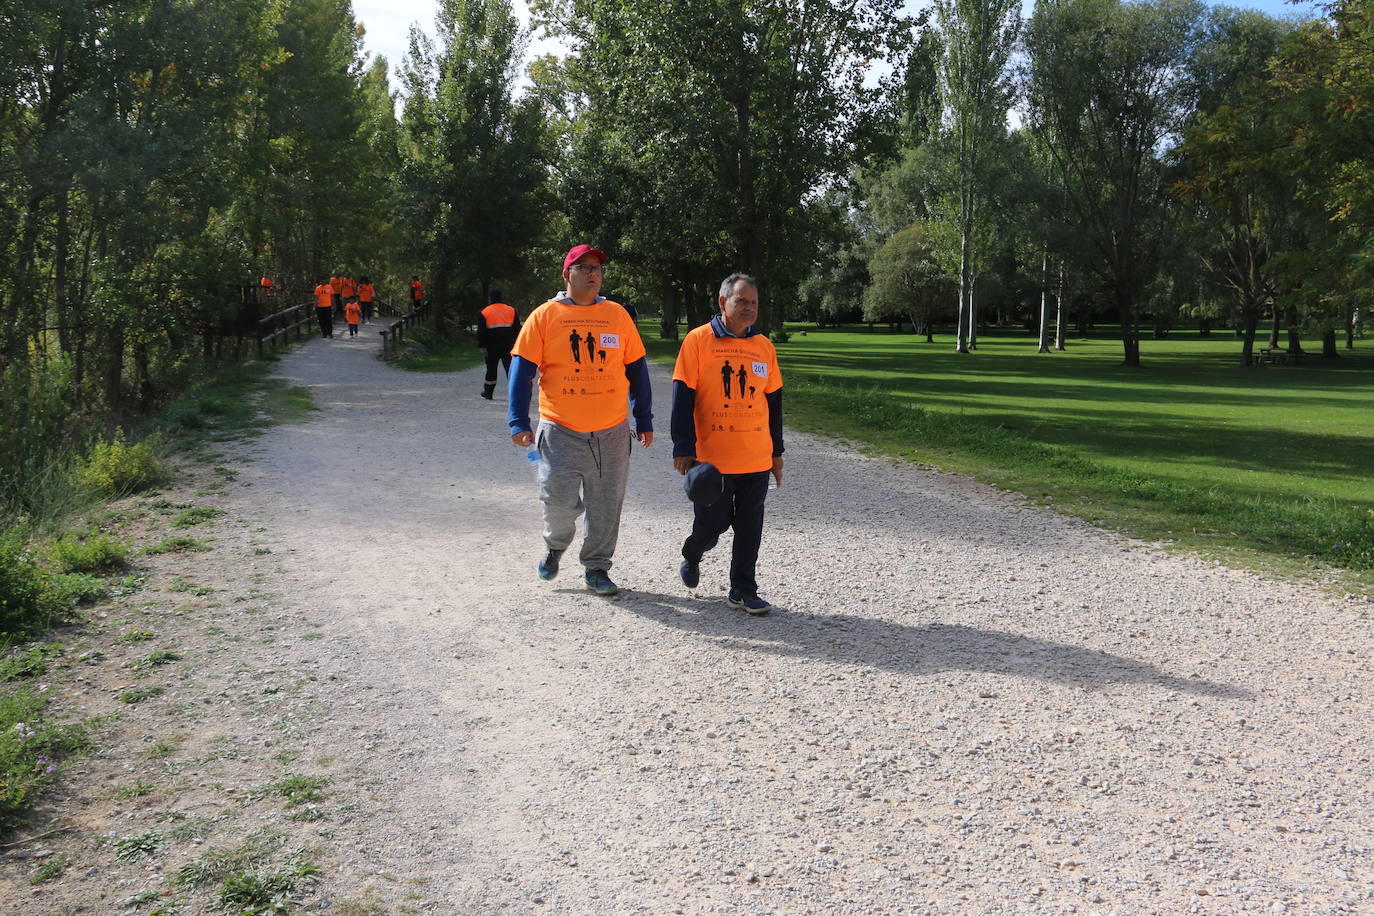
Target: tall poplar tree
(977, 37)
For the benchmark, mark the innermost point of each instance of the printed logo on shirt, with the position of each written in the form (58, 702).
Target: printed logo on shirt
(610, 341)
(761, 369)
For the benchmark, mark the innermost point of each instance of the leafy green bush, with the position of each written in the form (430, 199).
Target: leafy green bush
(31, 752)
(65, 591)
(118, 468)
(22, 587)
(92, 552)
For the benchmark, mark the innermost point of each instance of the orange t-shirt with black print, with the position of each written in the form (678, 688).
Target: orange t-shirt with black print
(366, 292)
(348, 287)
(353, 313)
(581, 352)
(324, 296)
(336, 283)
(730, 375)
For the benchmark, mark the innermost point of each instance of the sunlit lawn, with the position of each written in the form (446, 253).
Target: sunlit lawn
(1191, 413)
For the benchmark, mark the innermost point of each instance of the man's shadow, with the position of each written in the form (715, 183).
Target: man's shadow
(917, 650)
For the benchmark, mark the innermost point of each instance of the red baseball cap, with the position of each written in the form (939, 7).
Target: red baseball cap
(578, 252)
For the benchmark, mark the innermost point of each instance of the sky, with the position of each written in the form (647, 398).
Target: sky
(388, 23)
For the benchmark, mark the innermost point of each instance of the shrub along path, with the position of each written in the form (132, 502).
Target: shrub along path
(963, 702)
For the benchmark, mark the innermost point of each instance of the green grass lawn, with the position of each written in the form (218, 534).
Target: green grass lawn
(1190, 447)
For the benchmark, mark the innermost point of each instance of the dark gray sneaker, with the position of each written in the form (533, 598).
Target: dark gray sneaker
(751, 603)
(599, 582)
(690, 573)
(548, 567)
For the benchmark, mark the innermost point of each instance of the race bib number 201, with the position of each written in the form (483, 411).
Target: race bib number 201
(761, 370)
(610, 341)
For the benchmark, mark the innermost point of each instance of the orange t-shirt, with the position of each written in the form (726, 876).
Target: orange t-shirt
(730, 375)
(324, 296)
(353, 313)
(350, 288)
(417, 289)
(265, 283)
(498, 315)
(366, 292)
(336, 284)
(581, 352)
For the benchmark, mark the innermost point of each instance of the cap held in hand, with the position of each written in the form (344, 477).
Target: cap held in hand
(704, 485)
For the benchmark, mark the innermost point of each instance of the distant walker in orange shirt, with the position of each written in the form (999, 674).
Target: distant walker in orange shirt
(324, 309)
(727, 412)
(496, 330)
(353, 313)
(367, 295)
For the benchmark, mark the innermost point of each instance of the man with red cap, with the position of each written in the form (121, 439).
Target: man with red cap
(586, 393)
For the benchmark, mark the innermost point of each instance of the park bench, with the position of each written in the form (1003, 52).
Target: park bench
(1270, 356)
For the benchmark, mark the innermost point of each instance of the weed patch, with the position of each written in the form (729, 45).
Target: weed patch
(91, 552)
(155, 660)
(50, 869)
(298, 789)
(196, 516)
(138, 846)
(29, 663)
(139, 694)
(32, 750)
(178, 544)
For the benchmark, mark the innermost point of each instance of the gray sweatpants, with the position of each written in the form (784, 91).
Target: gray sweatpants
(583, 471)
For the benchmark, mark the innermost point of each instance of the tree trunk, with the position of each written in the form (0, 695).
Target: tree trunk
(1350, 330)
(961, 339)
(1274, 331)
(114, 371)
(1044, 303)
(1329, 344)
(1294, 335)
(1059, 312)
(972, 314)
(1250, 323)
(1130, 338)
(667, 320)
(62, 245)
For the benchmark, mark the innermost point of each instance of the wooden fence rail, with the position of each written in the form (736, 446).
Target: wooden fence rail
(394, 334)
(278, 326)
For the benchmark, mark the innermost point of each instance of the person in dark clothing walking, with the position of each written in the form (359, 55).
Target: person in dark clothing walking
(496, 330)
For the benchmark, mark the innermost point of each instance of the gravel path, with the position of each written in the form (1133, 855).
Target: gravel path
(961, 704)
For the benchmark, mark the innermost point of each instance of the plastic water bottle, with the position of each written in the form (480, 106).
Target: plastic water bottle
(532, 458)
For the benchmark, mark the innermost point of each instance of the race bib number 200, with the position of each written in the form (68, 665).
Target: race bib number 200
(610, 341)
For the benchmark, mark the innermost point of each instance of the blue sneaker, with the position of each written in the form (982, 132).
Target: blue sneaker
(548, 567)
(690, 573)
(751, 603)
(599, 582)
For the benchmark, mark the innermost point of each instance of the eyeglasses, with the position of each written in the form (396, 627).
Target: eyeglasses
(589, 268)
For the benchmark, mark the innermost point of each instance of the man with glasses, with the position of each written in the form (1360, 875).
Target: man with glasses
(592, 375)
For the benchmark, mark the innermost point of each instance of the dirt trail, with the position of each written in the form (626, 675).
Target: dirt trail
(962, 703)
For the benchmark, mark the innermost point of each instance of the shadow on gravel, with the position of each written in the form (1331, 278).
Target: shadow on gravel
(917, 650)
